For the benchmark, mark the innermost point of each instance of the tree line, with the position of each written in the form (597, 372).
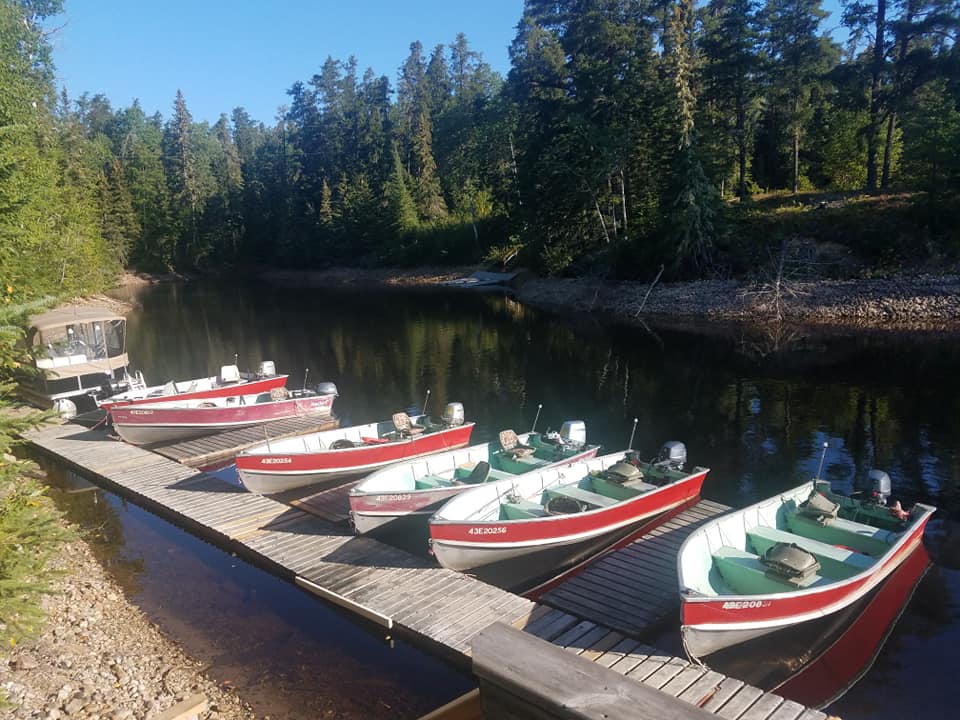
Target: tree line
(626, 133)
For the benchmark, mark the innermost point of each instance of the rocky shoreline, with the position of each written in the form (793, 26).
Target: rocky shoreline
(98, 656)
(908, 302)
(904, 303)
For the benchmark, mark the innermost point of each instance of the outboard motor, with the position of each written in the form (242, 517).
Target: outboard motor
(880, 486)
(453, 414)
(327, 388)
(65, 408)
(267, 369)
(573, 432)
(673, 455)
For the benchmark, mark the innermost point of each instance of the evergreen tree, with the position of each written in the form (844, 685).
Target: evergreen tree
(437, 80)
(140, 154)
(182, 174)
(694, 204)
(401, 209)
(731, 72)
(430, 203)
(800, 56)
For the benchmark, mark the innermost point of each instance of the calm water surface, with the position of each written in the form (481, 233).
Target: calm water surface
(755, 409)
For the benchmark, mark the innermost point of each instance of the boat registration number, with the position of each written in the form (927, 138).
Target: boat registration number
(495, 530)
(745, 604)
(400, 497)
(141, 412)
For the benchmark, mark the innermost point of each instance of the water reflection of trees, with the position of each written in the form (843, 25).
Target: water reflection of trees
(758, 420)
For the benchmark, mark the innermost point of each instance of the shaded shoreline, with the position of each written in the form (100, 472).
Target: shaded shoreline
(922, 303)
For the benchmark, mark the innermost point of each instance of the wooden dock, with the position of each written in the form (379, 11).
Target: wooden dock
(212, 449)
(634, 588)
(440, 610)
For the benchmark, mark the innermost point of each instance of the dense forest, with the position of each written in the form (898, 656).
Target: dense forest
(627, 134)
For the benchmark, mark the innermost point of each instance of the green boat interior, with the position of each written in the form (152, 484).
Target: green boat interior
(622, 481)
(538, 452)
(814, 543)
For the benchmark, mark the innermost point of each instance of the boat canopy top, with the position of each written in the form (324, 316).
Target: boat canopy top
(78, 341)
(61, 317)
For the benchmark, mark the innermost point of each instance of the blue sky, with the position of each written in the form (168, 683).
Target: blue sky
(225, 54)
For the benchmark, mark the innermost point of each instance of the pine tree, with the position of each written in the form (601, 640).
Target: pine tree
(430, 203)
(183, 179)
(732, 76)
(437, 81)
(694, 204)
(401, 209)
(800, 56)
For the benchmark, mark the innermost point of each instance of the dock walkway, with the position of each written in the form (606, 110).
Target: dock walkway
(634, 588)
(436, 608)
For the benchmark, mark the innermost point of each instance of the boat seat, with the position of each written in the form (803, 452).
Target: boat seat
(855, 535)
(581, 495)
(404, 425)
(511, 445)
(620, 491)
(229, 374)
(479, 474)
(521, 510)
(835, 562)
(746, 575)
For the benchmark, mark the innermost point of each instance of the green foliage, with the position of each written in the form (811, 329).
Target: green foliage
(502, 255)
(49, 231)
(607, 143)
(31, 531)
(932, 139)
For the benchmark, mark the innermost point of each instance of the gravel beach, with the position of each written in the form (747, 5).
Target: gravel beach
(98, 656)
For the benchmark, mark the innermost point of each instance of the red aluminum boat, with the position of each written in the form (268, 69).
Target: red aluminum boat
(332, 456)
(779, 581)
(181, 419)
(520, 531)
(230, 382)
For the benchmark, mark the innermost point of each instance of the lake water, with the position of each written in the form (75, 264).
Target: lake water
(755, 408)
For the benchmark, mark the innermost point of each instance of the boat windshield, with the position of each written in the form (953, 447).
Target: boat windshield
(81, 341)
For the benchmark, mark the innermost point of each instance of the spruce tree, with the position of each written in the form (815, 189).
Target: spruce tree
(401, 209)
(695, 198)
(731, 73)
(800, 56)
(183, 179)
